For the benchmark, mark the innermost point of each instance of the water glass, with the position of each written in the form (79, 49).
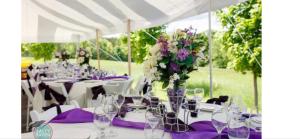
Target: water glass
(238, 128)
(198, 94)
(219, 119)
(101, 121)
(111, 110)
(154, 127)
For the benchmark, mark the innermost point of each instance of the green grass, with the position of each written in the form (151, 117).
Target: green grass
(225, 81)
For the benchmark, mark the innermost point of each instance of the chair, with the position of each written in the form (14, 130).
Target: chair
(29, 102)
(52, 112)
(60, 88)
(139, 86)
(128, 86)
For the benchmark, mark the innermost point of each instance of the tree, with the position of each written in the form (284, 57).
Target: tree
(243, 24)
(220, 58)
(141, 42)
(43, 51)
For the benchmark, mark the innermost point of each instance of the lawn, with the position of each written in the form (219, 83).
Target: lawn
(225, 81)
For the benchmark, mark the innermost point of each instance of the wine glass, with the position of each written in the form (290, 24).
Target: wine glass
(198, 94)
(155, 121)
(137, 100)
(119, 100)
(111, 110)
(238, 102)
(219, 120)
(101, 121)
(254, 121)
(238, 127)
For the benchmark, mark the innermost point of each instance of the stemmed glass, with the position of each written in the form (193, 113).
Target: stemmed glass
(101, 121)
(111, 110)
(219, 120)
(119, 100)
(238, 127)
(198, 94)
(154, 120)
(137, 101)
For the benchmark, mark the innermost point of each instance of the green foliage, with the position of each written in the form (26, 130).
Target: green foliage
(201, 39)
(141, 42)
(24, 50)
(43, 51)
(220, 58)
(246, 20)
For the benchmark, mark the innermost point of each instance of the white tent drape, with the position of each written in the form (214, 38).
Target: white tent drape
(60, 20)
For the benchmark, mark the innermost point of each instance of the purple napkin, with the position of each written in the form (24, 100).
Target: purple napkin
(205, 130)
(81, 116)
(76, 115)
(128, 124)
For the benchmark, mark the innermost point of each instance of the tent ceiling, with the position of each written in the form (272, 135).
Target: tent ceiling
(69, 20)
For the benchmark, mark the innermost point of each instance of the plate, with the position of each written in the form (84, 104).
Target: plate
(207, 108)
(132, 105)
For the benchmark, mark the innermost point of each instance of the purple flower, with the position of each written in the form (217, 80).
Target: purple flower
(164, 50)
(187, 43)
(174, 67)
(163, 43)
(190, 33)
(182, 54)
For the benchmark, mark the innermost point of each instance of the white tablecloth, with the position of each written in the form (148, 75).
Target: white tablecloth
(84, 130)
(77, 92)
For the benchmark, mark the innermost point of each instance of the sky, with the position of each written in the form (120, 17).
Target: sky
(200, 22)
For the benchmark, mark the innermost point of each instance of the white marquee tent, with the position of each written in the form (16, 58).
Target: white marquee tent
(65, 20)
(74, 20)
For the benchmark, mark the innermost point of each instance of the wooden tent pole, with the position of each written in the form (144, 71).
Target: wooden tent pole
(97, 47)
(129, 47)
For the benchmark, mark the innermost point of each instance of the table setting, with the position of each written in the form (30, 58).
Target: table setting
(114, 117)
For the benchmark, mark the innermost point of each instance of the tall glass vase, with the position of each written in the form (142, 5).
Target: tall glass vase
(176, 96)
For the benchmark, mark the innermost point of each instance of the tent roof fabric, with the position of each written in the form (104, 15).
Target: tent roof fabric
(74, 20)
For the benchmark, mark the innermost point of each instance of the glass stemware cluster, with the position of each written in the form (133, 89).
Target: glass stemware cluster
(234, 116)
(105, 112)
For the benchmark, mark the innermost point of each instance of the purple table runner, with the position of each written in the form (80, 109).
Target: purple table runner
(203, 129)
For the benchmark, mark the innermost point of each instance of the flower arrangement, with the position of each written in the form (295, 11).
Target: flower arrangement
(83, 56)
(171, 59)
(62, 55)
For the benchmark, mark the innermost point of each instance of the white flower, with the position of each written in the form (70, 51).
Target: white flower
(162, 65)
(87, 55)
(154, 49)
(80, 60)
(153, 70)
(82, 53)
(176, 76)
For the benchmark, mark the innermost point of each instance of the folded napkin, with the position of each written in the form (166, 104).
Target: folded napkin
(218, 101)
(76, 115)
(129, 124)
(205, 130)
